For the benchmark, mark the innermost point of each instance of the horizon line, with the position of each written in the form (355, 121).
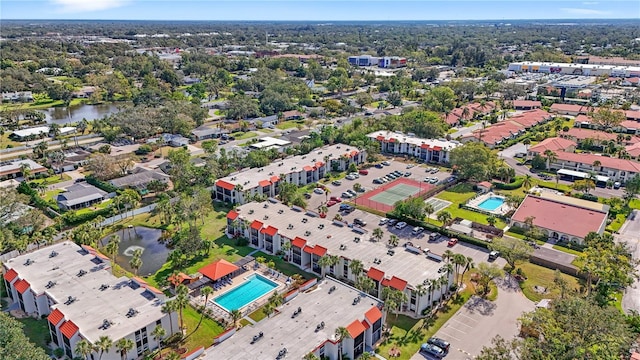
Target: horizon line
(321, 20)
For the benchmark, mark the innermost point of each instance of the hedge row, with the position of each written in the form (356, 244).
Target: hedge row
(35, 198)
(515, 184)
(445, 232)
(72, 218)
(102, 185)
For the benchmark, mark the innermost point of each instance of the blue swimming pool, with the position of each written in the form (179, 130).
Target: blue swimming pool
(252, 289)
(491, 203)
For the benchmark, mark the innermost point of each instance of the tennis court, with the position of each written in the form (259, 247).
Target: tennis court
(384, 197)
(438, 204)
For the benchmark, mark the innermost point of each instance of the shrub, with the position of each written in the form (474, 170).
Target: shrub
(515, 184)
(102, 185)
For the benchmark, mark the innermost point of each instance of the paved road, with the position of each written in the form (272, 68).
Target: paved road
(466, 130)
(630, 233)
(15, 154)
(479, 321)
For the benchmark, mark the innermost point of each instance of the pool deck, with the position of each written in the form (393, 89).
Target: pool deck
(267, 273)
(500, 210)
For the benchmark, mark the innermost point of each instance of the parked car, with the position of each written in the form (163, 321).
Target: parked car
(616, 185)
(336, 183)
(494, 255)
(350, 177)
(401, 225)
(434, 170)
(307, 196)
(407, 174)
(386, 163)
(318, 191)
(346, 195)
(335, 198)
(427, 179)
(379, 166)
(378, 181)
(355, 175)
(353, 193)
(433, 180)
(383, 221)
(392, 222)
(344, 206)
(363, 172)
(359, 222)
(442, 344)
(452, 242)
(331, 203)
(434, 236)
(410, 166)
(432, 350)
(417, 230)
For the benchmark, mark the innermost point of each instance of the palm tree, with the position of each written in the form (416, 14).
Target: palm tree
(366, 356)
(378, 234)
(420, 291)
(428, 209)
(432, 288)
(551, 157)
(136, 261)
(527, 182)
(323, 209)
(444, 282)
(447, 255)
(356, 267)
(103, 345)
(491, 220)
(83, 348)
(236, 315)
(596, 164)
(168, 308)
(310, 356)
(341, 333)
(324, 262)
(112, 247)
(158, 333)
(365, 284)
(327, 191)
(393, 240)
(468, 264)
(181, 301)
(444, 217)
(25, 170)
(206, 292)
(124, 345)
(458, 261)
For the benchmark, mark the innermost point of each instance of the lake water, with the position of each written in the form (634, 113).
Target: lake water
(59, 115)
(154, 254)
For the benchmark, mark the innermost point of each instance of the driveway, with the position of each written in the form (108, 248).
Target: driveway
(630, 234)
(479, 321)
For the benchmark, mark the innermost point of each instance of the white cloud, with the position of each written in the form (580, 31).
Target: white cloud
(579, 11)
(80, 6)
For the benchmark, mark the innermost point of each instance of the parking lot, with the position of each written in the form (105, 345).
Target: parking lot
(479, 321)
(417, 173)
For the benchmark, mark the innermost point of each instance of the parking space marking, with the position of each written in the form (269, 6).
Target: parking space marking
(447, 335)
(456, 329)
(462, 323)
(468, 317)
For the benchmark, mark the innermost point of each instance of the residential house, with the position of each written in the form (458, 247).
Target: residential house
(270, 225)
(292, 115)
(139, 179)
(23, 134)
(562, 218)
(175, 140)
(17, 96)
(265, 121)
(511, 128)
(13, 168)
(570, 109)
(74, 289)
(526, 104)
(269, 142)
(300, 170)
(554, 144)
(80, 196)
(427, 150)
(469, 112)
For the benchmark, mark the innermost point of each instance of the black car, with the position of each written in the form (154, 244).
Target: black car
(444, 345)
(307, 196)
(392, 222)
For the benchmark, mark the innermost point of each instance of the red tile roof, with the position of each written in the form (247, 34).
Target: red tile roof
(424, 146)
(319, 164)
(570, 108)
(355, 329)
(632, 114)
(274, 179)
(375, 274)
(55, 317)
(308, 249)
(218, 269)
(22, 286)
(526, 103)
(225, 185)
(68, 329)
(530, 118)
(319, 250)
(630, 124)
(633, 150)
(553, 144)
(153, 289)
(563, 218)
(10, 275)
(609, 162)
(436, 148)
(270, 230)
(486, 184)
(374, 314)
(395, 283)
(264, 183)
(256, 225)
(365, 324)
(140, 280)
(232, 215)
(308, 168)
(179, 278)
(299, 242)
(581, 134)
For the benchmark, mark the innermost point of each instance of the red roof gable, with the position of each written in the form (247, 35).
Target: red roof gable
(299, 242)
(232, 215)
(355, 329)
(218, 269)
(375, 274)
(270, 230)
(437, 148)
(10, 275)
(274, 179)
(374, 314)
(308, 249)
(424, 146)
(68, 329)
(55, 317)
(319, 250)
(319, 164)
(395, 283)
(225, 185)
(308, 168)
(264, 183)
(380, 138)
(256, 225)
(365, 324)
(21, 286)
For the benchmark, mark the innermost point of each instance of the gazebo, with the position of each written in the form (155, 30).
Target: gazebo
(218, 269)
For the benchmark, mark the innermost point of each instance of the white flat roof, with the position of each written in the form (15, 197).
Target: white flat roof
(32, 131)
(298, 335)
(582, 66)
(406, 139)
(406, 265)
(268, 141)
(581, 174)
(92, 305)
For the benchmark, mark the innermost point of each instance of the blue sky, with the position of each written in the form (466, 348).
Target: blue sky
(332, 10)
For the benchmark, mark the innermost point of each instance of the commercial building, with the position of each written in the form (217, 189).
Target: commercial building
(427, 150)
(561, 217)
(300, 170)
(312, 329)
(363, 60)
(305, 238)
(12, 169)
(388, 62)
(575, 69)
(74, 288)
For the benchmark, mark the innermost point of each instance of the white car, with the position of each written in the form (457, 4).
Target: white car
(386, 163)
(346, 195)
(350, 177)
(383, 221)
(318, 191)
(401, 225)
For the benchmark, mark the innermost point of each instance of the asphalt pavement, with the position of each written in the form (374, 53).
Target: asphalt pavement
(630, 234)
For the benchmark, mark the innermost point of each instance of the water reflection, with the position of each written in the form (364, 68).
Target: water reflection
(154, 254)
(60, 115)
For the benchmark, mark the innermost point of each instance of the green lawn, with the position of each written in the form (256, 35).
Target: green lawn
(244, 135)
(634, 204)
(5, 142)
(458, 194)
(37, 331)
(283, 266)
(208, 330)
(541, 276)
(257, 315)
(95, 207)
(286, 125)
(473, 216)
(408, 334)
(51, 195)
(53, 179)
(616, 224)
(266, 131)
(567, 250)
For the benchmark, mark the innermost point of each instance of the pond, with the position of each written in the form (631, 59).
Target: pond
(154, 254)
(59, 115)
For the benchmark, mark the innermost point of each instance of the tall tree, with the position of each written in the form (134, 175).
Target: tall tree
(512, 250)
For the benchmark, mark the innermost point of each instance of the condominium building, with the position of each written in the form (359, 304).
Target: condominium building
(304, 238)
(74, 288)
(575, 69)
(427, 150)
(301, 170)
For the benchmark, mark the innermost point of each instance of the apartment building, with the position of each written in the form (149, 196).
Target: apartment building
(623, 71)
(74, 288)
(615, 169)
(427, 150)
(511, 128)
(305, 238)
(300, 170)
